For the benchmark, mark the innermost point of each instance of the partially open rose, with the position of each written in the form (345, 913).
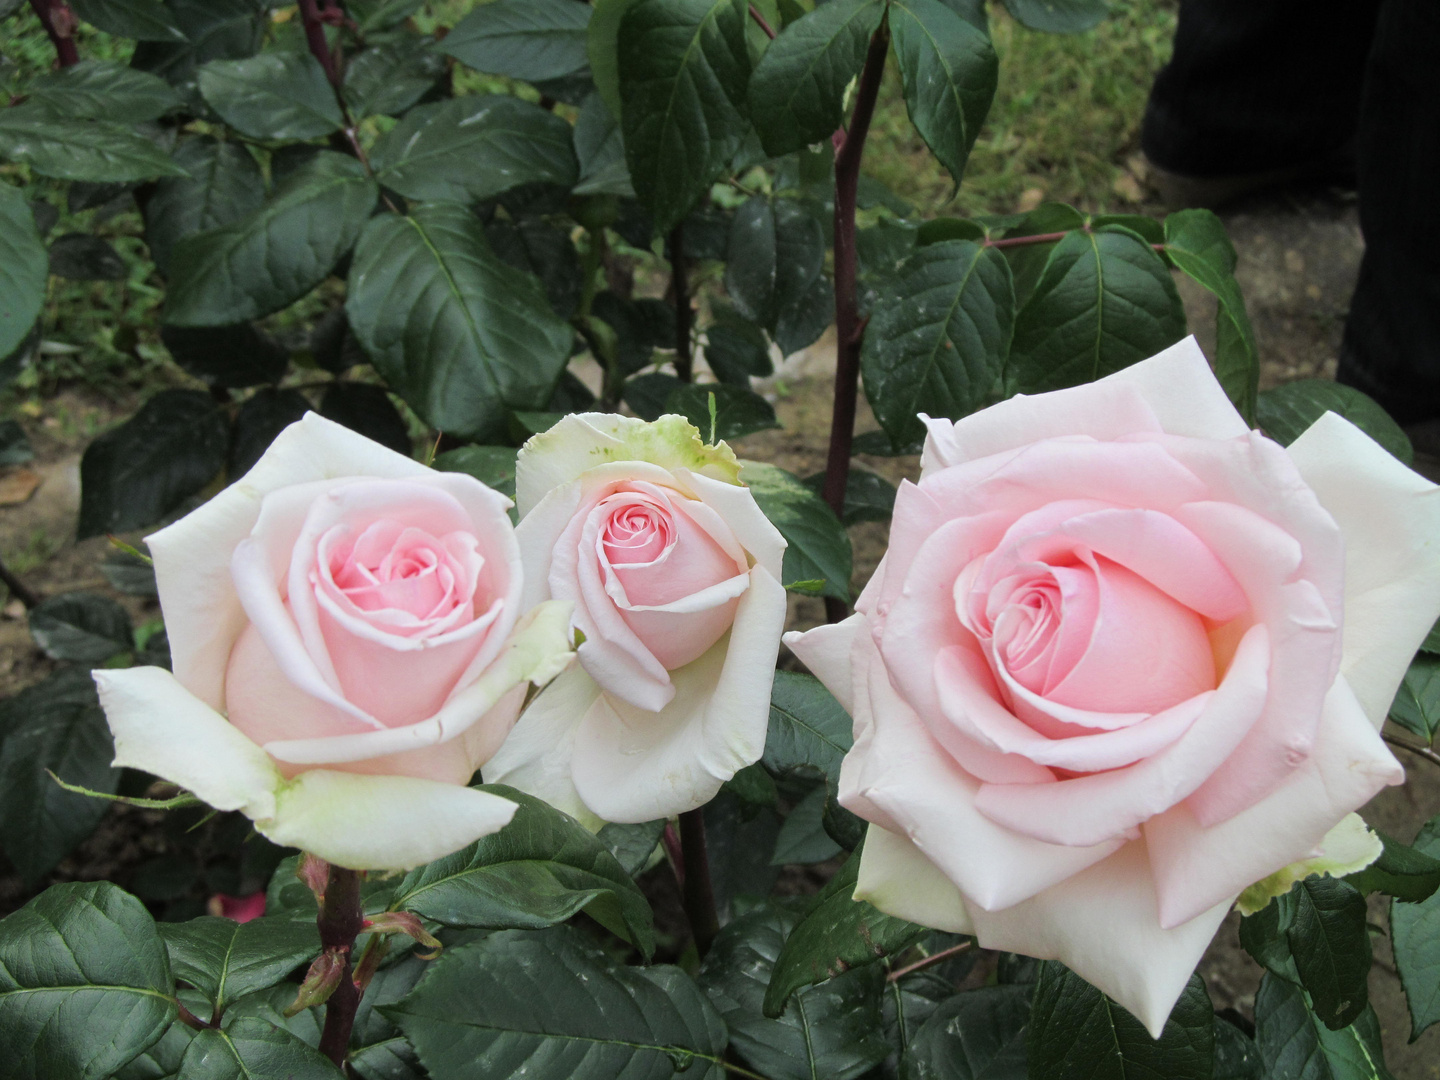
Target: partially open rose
(674, 572)
(349, 645)
(1124, 658)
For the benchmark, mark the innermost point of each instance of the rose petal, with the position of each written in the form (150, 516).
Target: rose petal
(1390, 517)
(1101, 924)
(896, 878)
(825, 650)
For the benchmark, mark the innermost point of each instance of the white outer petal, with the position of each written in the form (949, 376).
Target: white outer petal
(1101, 924)
(1390, 517)
(192, 556)
(164, 729)
(538, 650)
(896, 877)
(381, 822)
(826, 650)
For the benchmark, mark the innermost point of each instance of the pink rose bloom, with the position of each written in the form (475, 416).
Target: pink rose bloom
(1123, 658)
(240, 908)
(674, 573)
(349, 645)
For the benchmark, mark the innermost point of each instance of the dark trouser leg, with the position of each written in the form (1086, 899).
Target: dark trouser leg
(1257, 85)
(1392, 337)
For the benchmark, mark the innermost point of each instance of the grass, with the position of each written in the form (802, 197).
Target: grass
(1065, 120)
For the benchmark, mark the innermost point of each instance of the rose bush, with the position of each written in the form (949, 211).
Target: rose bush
(674, 572)
(1123, 658)
(349, 644)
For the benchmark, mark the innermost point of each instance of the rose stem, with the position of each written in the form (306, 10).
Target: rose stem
(59, 23)
(848, 328)
(340, 922)
(684, 316)
(697, 894)
(929, 961)
(1419, 751)
(18, 588)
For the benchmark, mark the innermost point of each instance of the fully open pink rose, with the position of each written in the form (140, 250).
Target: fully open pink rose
(1123, 658)
(675, 576)
(347, 636)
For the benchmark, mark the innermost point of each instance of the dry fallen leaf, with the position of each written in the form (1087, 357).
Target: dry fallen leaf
(17, 485)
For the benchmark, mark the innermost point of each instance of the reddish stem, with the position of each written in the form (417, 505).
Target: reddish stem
(315, 37)
(59, 23)
(848, 328)
(760, 21)
(697, 893)
(340, 921)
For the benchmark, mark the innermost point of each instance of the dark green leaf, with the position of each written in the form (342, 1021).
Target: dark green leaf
(1415, 938)
(1295, 1045)
(738, 409)
(135, 474)
(632, 845)
(392, 1059)
(836, 934)
(776, 253)
(1058, 16)
(819, 547)
(1077, 1032)
(368, 410)
(83, 627)
(227, 356)
(130, 575)
(103, 90)
(473, 148)
(143, 20)
(224, 185)
(809, 731)
(1416, 707)
(538, 871)
(739, 837)
(602, 42)
(1236, 1055)
(634, 347)
(15, 448)
(1330, 944)
(1285, 412)
(493, 466)
(647, 394)
(265, 414)
(1264, 935)
(1104, 301)
(832, 1030)
(518, 1004)
(1401, 871)
(275, 255)
(162, 1060)
(461, 336)
(867, 497)
(803, 839)
(977, 1035)
(372, 15)
(1196, 243)
(79, 149)
(24, 265)
(797, 91)
(250, 1049)
(538, 248)
(752, 785)
(736, 349)
(82, 257)
(56, 726)
(226, 960)
(84, 983)
(600, 148)
(276, 95)
(684, 67)
(939, 337)
(213, 30)
(949, 71)
(804, 319)
(525, 39)
(387, 79)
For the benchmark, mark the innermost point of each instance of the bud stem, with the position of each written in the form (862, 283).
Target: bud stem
(341, 920)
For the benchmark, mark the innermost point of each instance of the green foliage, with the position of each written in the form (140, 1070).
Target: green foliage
(973, 1035)
(23, 266)
(1415, 938)
(226, 960)
(85, 627)
(252, 1048)
(272, 96)
(1076, 1031)
(819, 549)
(1286, 411)
(1293, 1042)
(526, 39)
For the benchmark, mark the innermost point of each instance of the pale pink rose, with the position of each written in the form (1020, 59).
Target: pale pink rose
(1123, 658)
(674, 572)
(349, 645)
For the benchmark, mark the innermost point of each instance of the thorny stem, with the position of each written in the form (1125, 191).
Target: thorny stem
(848, 328)
(697, 894)
(929, 961)
(341, 920)
(59, 22)
(684, 314)
(18, 588)
(1419, 751)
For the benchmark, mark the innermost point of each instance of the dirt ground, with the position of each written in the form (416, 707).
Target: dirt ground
(1298, 261)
